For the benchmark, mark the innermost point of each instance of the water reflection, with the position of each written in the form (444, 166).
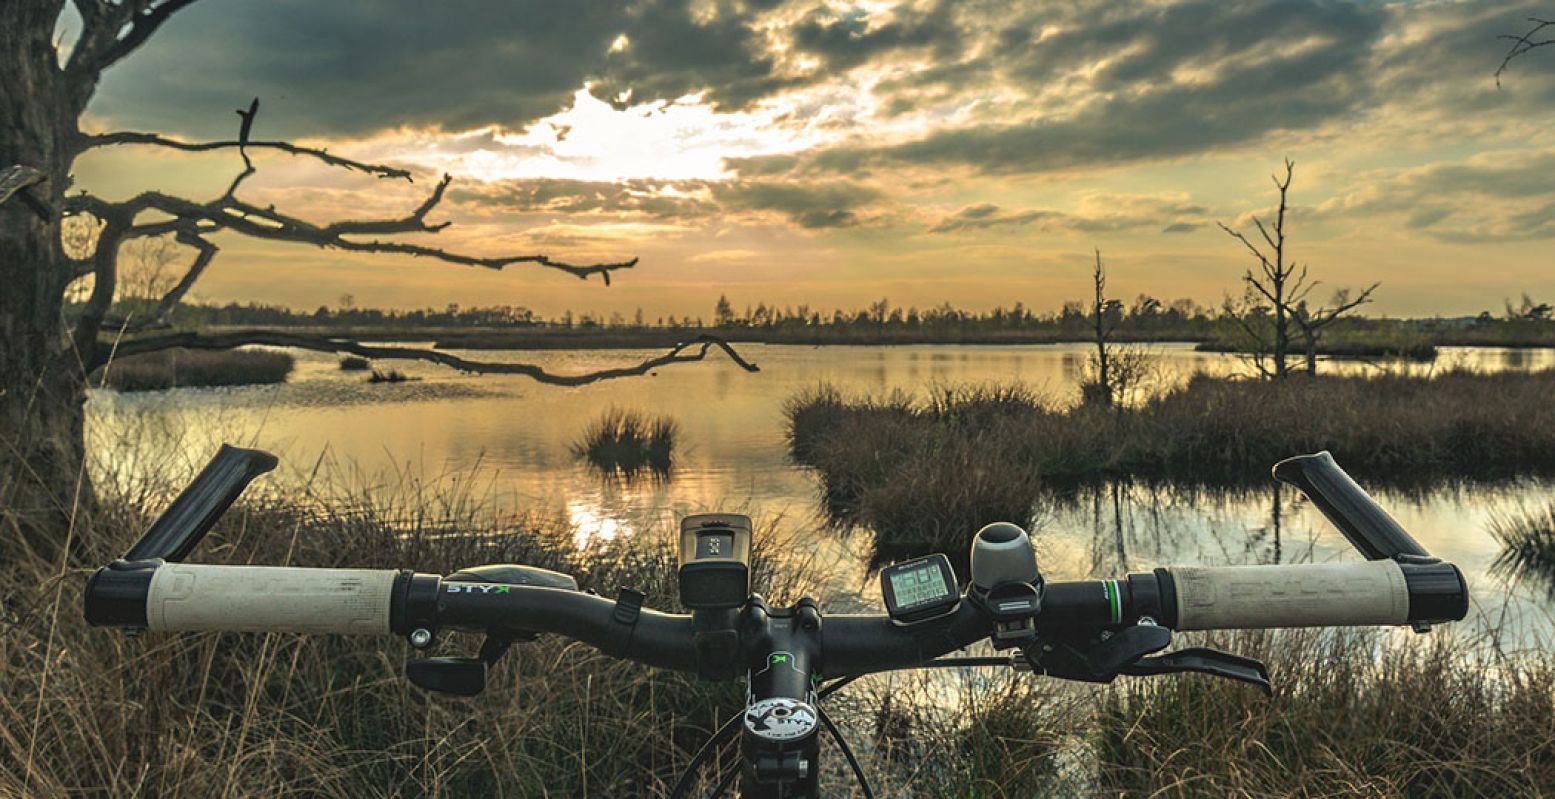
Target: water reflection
(734, 452)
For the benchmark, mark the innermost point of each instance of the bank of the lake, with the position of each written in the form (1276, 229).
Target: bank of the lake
(922, 472)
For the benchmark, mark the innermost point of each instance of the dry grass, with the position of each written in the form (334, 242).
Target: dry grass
(1351, 716)
(925, 473)
(185, 368)
(91, 712)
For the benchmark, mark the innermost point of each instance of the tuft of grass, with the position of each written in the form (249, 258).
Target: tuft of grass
(1527, 546)
(389, 376)
(629, 443)
(354, 363)
(181, 368)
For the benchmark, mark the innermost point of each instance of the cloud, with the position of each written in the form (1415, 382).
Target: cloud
(1094, 213)
(810, 205)
(831, 204)
(661, 199)
(1495, 196)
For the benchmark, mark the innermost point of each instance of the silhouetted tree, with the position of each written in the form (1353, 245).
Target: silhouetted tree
(47, 354)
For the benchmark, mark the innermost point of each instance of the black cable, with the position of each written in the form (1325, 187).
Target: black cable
(724, 785)
(847, 752)
(713, 745)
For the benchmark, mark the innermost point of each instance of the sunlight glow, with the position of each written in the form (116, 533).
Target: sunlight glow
(680, 140)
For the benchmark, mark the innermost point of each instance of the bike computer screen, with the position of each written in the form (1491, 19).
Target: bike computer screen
(919, 589)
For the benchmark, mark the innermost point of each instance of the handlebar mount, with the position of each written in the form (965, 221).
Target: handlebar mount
(1089, 630)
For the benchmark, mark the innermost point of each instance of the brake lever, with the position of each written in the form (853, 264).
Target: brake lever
(1097, 660)
(1205, 661)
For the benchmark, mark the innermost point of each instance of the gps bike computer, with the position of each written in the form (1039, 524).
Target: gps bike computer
(919, 589)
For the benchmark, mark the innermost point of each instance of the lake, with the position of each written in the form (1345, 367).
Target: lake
(507, 441)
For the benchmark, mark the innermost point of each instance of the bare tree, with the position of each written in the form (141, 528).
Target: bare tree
(1102, 390)
(1276, 294)
(47, 353)
(1522, 43)
(1312, 322)
(1276, 278)
(1117, 373)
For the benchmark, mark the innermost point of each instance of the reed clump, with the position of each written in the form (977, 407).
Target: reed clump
(629, 443)
(1527, 546)
(181, 368)
(913, 468)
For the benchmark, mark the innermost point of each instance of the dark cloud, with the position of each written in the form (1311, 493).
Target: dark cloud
(823, 205)
(329, 67)
(333, 67)
(1143, 81)
(660, 199)
(1096, 214)
(844, 41)
(1064, 84)
(810, 205)
(679, 48)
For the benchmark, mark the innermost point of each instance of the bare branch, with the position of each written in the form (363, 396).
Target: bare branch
(1524, 43)
(1343, 304)
(1249, 245)
(266, 223)
(101, 45)
(685, 352)
(162, 316)
(87, 142)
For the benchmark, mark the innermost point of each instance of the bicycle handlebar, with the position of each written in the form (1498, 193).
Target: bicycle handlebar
(1090, 630)
(195, 597)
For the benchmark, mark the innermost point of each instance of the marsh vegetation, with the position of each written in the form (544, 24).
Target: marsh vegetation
(924, 471)
(181, 368)
(629, 443)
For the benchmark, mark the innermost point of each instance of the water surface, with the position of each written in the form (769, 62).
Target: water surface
(515, 437)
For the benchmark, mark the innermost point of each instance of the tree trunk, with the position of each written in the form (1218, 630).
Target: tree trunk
(42, 396)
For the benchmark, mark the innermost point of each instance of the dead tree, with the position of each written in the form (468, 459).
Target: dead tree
(1102, 392)
(48, 353)
(1279, 289)
(1313, 322)
(1275, 279)
(1529, 40)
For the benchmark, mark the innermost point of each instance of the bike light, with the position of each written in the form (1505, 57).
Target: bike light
(1001, 553)
(714, 560)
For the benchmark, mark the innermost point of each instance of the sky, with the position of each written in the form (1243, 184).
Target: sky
(833, 153)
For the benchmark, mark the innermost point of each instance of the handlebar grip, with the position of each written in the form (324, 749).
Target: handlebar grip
(189, 596)
(1369, 528)
(173, 535)
(1305, 595)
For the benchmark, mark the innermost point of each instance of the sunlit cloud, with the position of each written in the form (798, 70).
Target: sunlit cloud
(938, 145)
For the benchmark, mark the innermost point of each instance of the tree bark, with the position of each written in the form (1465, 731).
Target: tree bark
(42, 395)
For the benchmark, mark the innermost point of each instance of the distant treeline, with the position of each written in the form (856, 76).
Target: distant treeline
(1144, 319)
